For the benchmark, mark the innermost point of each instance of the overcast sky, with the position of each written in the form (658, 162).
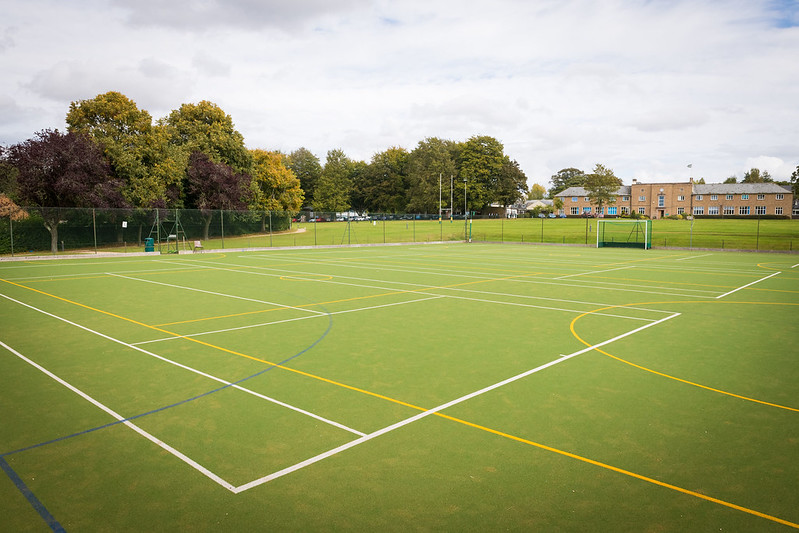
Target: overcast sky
(643, 87)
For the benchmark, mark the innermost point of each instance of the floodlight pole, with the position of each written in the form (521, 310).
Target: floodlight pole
(451, 204)
(439, 197)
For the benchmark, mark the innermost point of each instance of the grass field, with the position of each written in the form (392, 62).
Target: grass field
(449, 387)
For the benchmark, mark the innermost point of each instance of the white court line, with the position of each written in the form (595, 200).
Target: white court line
(401, 423)
(796, 265)
(286, 320)
(190, 369)
(594, 272)
(693, 257)
(215, 293)
(194, 464)
(747, 285)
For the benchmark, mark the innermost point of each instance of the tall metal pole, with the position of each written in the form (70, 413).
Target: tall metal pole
(465, 216)
(451, 197)
(439, 197)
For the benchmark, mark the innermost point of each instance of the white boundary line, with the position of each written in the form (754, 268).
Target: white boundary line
(214, 293)
(401, 423)
(593, 272)
(194, 464)
(747, 285)
(693, 257)
(190, 369)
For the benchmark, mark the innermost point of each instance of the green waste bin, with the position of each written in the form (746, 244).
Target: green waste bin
(149, 244)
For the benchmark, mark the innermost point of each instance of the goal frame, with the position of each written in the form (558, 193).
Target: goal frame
(634, 225)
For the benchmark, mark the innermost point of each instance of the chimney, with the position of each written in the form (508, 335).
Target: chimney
(691, 181)
(635, 181)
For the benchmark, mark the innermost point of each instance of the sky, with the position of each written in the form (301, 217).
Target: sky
(644, 87)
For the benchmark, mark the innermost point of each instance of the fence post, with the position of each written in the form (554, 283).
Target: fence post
(222, 226)
(270, 228)
(94, 230)
(11, 226)
(757, 241)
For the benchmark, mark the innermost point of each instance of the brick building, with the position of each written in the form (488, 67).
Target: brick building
(658, 200)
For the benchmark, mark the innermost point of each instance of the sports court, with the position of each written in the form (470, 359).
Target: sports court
(427, 387)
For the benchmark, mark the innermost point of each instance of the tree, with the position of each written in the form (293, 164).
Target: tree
(308, 170)
(274, 185)
(795, 182)
(755, 176)
(335, 184)
(214, 186)
(432, 158)
(205, 128)
(382, 188)
(537, 192)
(139, 153)
(602, 186)
(512, 184)
(57, 171)
(565, 178)
(731, 179)
(481, 162)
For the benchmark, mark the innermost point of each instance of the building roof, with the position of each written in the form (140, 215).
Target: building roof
(738, 188)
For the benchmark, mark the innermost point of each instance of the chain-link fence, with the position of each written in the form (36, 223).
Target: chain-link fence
(69, 230)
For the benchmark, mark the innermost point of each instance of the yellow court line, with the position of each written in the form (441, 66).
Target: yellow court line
(406, 404)
(642, 260)
(574, 333)
(622, 471)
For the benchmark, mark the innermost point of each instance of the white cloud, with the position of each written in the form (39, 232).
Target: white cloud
(642, 87)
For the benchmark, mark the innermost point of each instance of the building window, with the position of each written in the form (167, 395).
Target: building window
(642, 210)
(729, 197)
(729, 209)
(681, 198)
(714, 197)
(744, 197)
(761, 196)
(743, 210)
(778, 211)
(600, 210)
(796, 212)
(760, 209)
(661, 201)
(625, 210)
(574, 198)
(699, 210)
(713, 210)
(575, 211)
(698, 196)
(642, 198)
(680, 210)
(611, 210)
(625, 198)
(780, 197)
(586, 209)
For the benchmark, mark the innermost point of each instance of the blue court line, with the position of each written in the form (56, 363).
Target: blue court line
(42, 510)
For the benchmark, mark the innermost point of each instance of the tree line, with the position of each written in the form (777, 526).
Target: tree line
(114, 154)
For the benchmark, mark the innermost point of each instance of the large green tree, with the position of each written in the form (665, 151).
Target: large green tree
(274, 185)
(481, 165)
(205, 127)
(433, 158)
(565, 178)
(383, 187)
(211, 187)
(308, 169)
(139, 153)
(335, 184)
(602, 186)
(795, 182)
(754, 175)
(512, 184)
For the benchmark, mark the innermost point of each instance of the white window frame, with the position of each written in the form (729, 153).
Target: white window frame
(698, 197)
(730, 197)
(625, 210)
(642, 198)
(642, 210)
(743, 210)
(780, 197)
(681, 198)
(761, 196)
(729, 209)
(714, 197)
(625, 198)
(713, 210)
(612, 210)
(574, 198)
(778, 210)
(575, 211)
(661, 200)
(760, 209)
(744, 197)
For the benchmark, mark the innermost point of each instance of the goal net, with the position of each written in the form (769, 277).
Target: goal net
(624, 233)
